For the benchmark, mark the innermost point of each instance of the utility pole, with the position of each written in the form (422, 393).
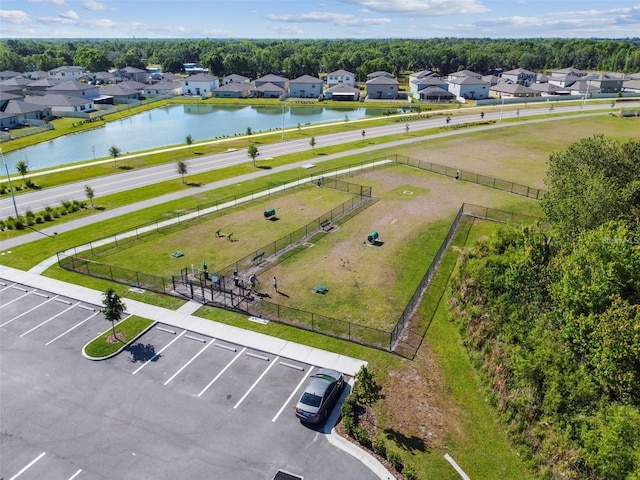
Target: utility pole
(13, 198)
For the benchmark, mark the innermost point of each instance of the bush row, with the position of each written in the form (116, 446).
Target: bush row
(49, 214)
(377, 444)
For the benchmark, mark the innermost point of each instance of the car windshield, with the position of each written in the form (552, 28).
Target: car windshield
(311, 399)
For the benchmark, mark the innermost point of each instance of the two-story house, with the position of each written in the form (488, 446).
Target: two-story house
(200, 84)
(519, 76)
(66, 73)
(382, 88)
(341, 77)
(306, 86)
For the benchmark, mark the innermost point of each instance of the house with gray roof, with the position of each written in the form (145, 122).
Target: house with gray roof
(520, 76)
(40, 87)
(607, 82)
(66, 73)
(377, 74)
(133, 73)
(343, 92)
(277, 80)
(233, 90)
(20, 112)
(306, 86)
(471, 87)
(74, 88)
(463, 74)
(382, 88)
(268, 90)
(64, 105)
(341, 77)
(7, 74)
(548, 89)
(235, 78)
(200, 84)
(420, 83)
(119, 93)
(163, 89)
(512, 90)
(436, 94)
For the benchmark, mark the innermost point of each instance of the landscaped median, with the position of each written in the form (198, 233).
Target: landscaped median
(106, 346)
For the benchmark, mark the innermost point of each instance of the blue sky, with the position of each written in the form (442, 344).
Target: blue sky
(318, 19)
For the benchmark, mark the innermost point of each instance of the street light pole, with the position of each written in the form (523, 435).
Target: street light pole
(283, 123)
(13, 198)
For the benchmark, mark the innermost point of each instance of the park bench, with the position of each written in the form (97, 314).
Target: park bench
(269, 213)
(257, 257)
(326, 225)
(320, 289)
(177, 254)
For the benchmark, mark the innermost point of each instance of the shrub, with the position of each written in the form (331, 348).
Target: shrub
(346, 410)
(77, 205)
(379, 446)
(47, 216)
(361, 435)
(39, 219)
(409, 473)
(10, 223)
(67, 204)
(2, 225)
(56, 212)
(349, 425)
(19, 223)
(394, 459)
(29, 214)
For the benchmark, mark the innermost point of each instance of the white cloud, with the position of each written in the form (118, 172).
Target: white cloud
(14, 16)
(93, 5)
(53, 2)
(70, 15)
(426, 8)
(339, 19)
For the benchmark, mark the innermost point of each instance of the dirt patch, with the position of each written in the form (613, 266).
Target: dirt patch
(119, 337)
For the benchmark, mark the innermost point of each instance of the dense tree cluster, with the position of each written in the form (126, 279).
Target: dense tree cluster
(551, 313)
(293, 58)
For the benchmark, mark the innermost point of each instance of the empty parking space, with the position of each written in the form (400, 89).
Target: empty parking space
(42, 465)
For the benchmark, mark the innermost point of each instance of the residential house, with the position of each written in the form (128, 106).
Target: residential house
(519, 76)
(36, 75)
(7, 74)
(66, 73)
(463, 74)
(373, 75)
(135, 74)
(492, 79)
(471, 88)
(574, 72)
(382, 88)
(74, 88)
(104, 78)
(273, 79)
(548, 89)
(163, 89)
(607, 82)
(64, 105)
(235, 78)
(420, 83)
(19, 112)
(512, 90)
(18, 83)
(632, 85)
(119, 93)
(341, 77)
(234, 90)
(268, 90)
(40, 87)
(343, 92)
(200, 84)
(436, 94)
(306, 86)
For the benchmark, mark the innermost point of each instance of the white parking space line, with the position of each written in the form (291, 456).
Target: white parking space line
(304, 377)
(222, 371)
(16, 299)
(23, 313)
(191, 360)
(43, 295)
(256, 383)
(75, 475)
(28, 466)
(47, 321)
(72, 328)
(157, 354)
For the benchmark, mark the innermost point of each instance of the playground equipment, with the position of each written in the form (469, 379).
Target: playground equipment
(373, 237)
(270, 213)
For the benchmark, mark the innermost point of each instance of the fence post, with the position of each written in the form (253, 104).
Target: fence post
(110, 271)
(137, 279)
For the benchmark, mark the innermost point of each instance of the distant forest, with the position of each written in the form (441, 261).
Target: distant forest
(293, 58)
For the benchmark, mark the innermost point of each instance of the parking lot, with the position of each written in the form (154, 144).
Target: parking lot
(175, 404)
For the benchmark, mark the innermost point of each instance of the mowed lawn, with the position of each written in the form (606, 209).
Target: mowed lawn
(198, 242)
(371, 284)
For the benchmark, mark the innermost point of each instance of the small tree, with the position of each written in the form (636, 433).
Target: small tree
(406, 128)
(249, 131)
(89, 193)
(252, 151)
(366, 389)
(115, 153)
(363, 134)
(23, 169)
(182, 168)
(113, 308)
(312, 142)
(189, 140)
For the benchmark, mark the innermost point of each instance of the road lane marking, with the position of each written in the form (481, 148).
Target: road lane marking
(304, 377)
(24, 313)
(222, 371)
(191, 360)
(72, 328)
(28, 466)
(75, 475)
(157, 354)
(47, 321)
(255, 383)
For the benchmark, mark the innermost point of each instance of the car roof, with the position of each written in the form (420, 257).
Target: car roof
(317, 386)
(328, 372)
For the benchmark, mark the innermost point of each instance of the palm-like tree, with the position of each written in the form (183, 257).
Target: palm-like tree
(189, 140)
(23, 169)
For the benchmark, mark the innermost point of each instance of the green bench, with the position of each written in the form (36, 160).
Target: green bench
(320, 289)
(325, 224)
(177, 254)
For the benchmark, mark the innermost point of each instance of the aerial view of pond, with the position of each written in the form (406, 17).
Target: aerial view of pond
(170, 126)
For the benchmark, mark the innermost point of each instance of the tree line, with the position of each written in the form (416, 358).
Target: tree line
(551, 315)
(293, 58)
